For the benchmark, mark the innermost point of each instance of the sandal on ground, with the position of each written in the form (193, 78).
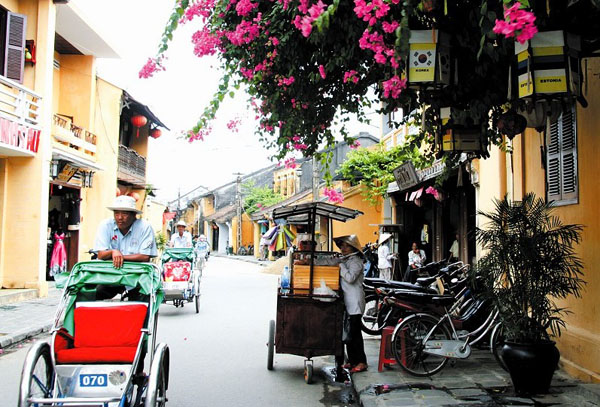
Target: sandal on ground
(347, 366)
(361, 367)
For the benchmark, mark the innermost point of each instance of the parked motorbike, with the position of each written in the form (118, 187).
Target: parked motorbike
(388, 301)
(371, 260)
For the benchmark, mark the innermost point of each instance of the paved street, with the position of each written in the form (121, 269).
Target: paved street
(218, 357)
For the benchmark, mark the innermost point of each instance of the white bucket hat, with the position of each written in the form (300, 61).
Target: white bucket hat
(124, 203)
(384, 237)
(181, 223)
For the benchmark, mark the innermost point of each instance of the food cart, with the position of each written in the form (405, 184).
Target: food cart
(309, 323)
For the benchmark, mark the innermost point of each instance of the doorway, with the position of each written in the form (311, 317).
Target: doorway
(63, 220)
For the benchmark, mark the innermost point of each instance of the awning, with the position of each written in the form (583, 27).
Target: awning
(425, 174)
(299, 213)
(78, 162)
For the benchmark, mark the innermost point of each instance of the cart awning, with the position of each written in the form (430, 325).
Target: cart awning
(300, 213)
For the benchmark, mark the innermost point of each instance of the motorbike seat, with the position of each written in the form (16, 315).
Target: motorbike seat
(425, 281)
(418, 297)
(381, 283)
(443, 301)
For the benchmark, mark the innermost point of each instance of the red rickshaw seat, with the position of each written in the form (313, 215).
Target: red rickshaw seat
(177, 270)
(103, 333)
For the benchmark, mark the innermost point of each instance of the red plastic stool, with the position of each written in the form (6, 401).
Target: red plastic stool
(386, 357)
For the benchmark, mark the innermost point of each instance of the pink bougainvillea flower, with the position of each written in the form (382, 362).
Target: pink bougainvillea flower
(205, 42)
(390, 27)
(393, 87)
(201, 8)
(233, 124)
(244, 7)
(152, 65)
(304, 23)
(517, 23)
(286, 82)
(355, 145)
(333, 196)
(322, 71)
(290, 163)
(300, 146)
(193, 136)
(350, 76)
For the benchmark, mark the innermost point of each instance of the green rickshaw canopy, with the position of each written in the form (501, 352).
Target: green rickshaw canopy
(172, 254)
(87, 275)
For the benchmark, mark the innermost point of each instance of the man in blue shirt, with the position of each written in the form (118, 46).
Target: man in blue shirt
(125, 238)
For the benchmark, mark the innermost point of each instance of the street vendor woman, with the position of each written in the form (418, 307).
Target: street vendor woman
(351, 273)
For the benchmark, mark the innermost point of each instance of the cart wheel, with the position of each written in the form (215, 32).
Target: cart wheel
(308, 373)
(156, 392)
(37, 377)
(197, 302)
(271, 345)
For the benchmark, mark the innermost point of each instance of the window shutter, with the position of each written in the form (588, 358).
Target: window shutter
(568, 155)
(14, 56)
(553, 163)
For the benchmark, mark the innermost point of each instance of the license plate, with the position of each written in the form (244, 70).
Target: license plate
(93, 380)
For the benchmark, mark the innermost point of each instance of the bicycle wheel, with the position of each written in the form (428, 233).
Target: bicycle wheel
(370, 320)
(408, 346)
(496, 343)
(37, 377)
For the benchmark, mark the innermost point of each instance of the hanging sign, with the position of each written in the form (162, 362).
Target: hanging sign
(18, 135)
(406, 176)
(68, 171)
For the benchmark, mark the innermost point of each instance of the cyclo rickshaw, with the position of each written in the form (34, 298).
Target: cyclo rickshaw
(308, 322)
(97, 349)
(181, 276)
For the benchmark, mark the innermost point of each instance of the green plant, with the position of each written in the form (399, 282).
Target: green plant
(258, 197)
(161, 241)
(373, 167)
(529, 262)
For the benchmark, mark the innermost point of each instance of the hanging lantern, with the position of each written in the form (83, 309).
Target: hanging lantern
(456, 137)
(429, 63)
(138, 121)
(155, 133)
(549, 64)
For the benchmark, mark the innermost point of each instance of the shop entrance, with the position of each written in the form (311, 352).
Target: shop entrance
(63, 221)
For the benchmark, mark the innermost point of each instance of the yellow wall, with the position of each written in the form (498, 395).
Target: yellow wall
(580, 341)
(153, 213)
(361, 226)
(26, 179)
(78, 88)
(140, 144)
(106, 127)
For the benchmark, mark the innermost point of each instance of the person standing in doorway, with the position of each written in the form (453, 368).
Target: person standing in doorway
(384, 257)
(454, 249)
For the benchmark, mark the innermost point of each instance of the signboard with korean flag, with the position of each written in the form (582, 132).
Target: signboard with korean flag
(422, 56)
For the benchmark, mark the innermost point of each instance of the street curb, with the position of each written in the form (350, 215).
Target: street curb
(20, 336)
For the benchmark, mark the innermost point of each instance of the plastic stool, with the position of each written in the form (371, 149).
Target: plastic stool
(386, 357)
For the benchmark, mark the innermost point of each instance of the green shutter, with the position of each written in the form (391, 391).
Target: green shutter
(553, 162)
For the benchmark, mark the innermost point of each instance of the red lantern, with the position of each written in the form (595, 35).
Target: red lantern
(138, 121)
(155, 133)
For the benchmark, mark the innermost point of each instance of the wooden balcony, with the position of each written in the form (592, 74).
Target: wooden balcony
(19, 119)
(132, 167)
(75, 138)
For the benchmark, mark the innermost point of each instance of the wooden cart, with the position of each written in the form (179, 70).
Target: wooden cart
(309, 324)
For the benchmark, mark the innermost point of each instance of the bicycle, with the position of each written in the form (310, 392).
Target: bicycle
(423, 343)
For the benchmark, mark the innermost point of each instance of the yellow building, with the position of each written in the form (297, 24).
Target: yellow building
(565, 173)
(62, 136)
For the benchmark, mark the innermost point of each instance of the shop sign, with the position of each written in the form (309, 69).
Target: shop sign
(406, 176)
(18, 135)
(67, 172)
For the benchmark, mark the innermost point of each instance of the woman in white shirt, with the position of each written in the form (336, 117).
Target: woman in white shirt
(383, 254)
(416, 259)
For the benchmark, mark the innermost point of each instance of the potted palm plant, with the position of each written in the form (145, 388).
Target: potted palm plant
(529, 263)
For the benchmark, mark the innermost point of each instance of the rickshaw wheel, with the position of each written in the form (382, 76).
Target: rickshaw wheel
(37, 377)
(271, 345)
(308, 373)
(156, 393)
(197, 302)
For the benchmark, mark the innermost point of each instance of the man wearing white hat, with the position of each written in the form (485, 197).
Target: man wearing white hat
(182, 238)
(124, 237)
(384, 257)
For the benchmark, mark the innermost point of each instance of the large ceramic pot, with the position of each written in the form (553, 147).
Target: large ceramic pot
(531, 366)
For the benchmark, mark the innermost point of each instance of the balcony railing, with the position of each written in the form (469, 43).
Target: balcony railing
(19, 119)
(132, 166)
(77, 138)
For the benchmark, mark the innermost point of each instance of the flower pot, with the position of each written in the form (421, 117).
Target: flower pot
(531, 366)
